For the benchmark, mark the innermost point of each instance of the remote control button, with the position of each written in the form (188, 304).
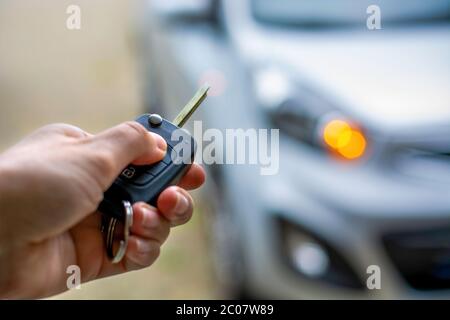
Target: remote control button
(128, 173)
(155, 120)
(143, 179)
(157, 168)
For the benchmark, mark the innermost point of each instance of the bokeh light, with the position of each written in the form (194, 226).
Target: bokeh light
(348, 142)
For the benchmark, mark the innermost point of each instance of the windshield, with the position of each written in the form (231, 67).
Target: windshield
(348, 12)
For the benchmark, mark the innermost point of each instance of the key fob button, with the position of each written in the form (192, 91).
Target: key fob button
(144, 178)
(129, 173)
(155, 120)
(157, 168)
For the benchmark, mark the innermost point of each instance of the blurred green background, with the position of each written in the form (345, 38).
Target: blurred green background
(89, 78)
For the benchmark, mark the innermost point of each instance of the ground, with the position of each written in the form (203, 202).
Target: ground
(89, 78)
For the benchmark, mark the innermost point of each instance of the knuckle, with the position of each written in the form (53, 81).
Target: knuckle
(156, 225)
(53, 127)
(155, 253)
(62, 129)
(136, 128)
(105, 163)
(146, 259)
(158, 234)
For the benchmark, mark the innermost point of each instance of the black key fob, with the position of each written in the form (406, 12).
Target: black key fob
(145, 183)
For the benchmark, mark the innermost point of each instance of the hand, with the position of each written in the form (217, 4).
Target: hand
(51, 184)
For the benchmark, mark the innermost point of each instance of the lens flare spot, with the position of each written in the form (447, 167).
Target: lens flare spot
(346, 141)
(355, 147)
(337, 133)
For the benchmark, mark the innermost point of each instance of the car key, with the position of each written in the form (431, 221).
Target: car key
(145, 183)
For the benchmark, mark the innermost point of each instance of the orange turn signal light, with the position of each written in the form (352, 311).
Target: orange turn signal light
(347, 141)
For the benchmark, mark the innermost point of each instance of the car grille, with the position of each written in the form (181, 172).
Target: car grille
(421, 257)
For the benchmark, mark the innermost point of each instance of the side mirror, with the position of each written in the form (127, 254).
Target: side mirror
(193, 10)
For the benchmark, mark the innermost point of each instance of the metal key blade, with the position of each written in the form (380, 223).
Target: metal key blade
(191, 106)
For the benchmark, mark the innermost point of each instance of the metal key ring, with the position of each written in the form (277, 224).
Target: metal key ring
(115, 258)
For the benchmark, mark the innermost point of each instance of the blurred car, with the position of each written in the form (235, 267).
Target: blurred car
(364, 119)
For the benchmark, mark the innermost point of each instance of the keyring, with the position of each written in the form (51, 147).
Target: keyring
(110, 231)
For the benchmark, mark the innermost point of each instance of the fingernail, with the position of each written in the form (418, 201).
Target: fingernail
(182, 204)
(160, 142)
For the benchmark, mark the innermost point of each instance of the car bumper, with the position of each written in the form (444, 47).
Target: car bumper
(351, 208)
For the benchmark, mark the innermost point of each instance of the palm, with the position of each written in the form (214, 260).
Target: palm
(47, 261)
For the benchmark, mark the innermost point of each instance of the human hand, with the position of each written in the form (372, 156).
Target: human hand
(51, 184)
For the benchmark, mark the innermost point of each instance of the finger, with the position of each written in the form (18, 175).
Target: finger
(129, 142)
(65, 129)
(193, 178)
(60, 129)
(176, 205)
(93, 259)
(141, 253)
(148, 223)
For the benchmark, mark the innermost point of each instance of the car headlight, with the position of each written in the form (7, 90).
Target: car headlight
(305, 115)
(343, 138)
(313, 258)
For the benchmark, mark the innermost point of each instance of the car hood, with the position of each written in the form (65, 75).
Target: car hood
(387, 78)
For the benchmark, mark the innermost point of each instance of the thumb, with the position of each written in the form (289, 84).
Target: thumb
(129, 142)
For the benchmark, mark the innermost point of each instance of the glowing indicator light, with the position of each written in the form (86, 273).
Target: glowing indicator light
(342, 138)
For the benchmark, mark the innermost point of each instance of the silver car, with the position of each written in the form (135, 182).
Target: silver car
(333, 217)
